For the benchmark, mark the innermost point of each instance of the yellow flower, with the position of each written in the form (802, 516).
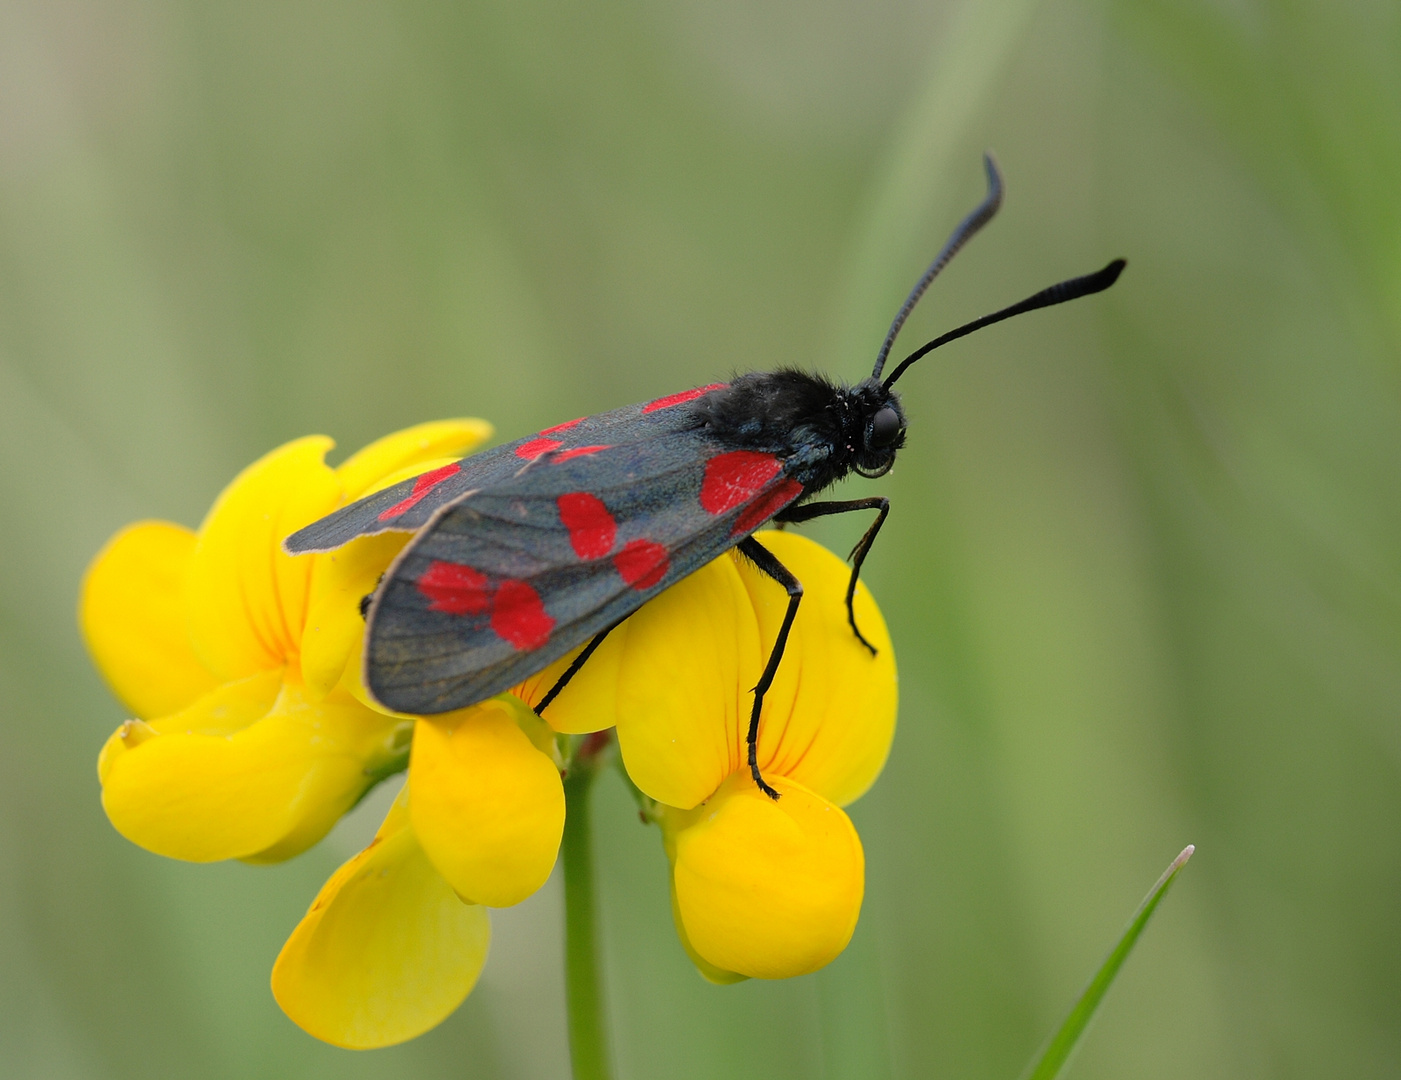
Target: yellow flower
(397, 937)
(387, 950)
(253, 735)
(248, 740)
(759, 888)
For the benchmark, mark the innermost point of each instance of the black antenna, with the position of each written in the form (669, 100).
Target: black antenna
(1056, 294)
(960, 236)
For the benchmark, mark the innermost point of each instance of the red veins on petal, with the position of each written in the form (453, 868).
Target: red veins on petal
(454, 588)
(676, 399)
(518, 616)
(592, 529)
(642, 563)
(579, 451)
(734, 478)
(562, 427)
(767, 505)
(536, 447)
(421, 487)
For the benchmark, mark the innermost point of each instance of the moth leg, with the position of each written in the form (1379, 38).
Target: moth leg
(808, 511)
(369, 598)
(765, 560)
(573, 668)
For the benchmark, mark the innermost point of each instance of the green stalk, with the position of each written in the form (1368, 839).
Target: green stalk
(588, 1030)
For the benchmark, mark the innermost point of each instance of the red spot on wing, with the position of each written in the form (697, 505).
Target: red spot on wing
(685, 395)
(733, 479)
(767, 505)
(421, 487)
(534, 448)
(562, 427)
(592, 529)
(578, 451)
(519, 616)
(642, 563)
(454, 588)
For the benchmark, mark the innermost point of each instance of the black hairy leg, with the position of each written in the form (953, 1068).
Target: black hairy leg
(766, 561)
(574, 666)
(808, 511)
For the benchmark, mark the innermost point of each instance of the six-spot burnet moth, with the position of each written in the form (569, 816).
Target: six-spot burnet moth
(526, 551)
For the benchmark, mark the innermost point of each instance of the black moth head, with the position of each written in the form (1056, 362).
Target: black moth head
(824, 429)
(874, 427)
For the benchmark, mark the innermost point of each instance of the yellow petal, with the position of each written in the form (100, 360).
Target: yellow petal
(829, 717)
(682, 698)
(413, 448)
(252, 770)
(226, 709)
(488, 806)
(387, 950)
(709, 972)
(766, 889)
(133, 619)
(589, 703)
(246, 598)
(340, 579)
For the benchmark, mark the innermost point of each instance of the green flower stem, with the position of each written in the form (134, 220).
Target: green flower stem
(588, 1030)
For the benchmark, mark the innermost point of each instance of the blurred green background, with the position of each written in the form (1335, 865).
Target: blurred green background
(1143, 570)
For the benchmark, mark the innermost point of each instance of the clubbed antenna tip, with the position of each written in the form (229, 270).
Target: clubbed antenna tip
(1058, 293)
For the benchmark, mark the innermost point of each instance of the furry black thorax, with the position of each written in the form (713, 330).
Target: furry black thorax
(821, 429)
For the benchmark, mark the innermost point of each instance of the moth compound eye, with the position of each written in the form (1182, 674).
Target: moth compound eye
(885, 428)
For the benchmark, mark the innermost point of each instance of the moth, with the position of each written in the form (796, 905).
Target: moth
(529, 550)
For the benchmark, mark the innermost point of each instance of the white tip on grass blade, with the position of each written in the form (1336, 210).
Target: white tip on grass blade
(1054, 1056)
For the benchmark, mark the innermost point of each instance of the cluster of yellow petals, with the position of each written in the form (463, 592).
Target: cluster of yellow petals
(253, 734)
(759, 888)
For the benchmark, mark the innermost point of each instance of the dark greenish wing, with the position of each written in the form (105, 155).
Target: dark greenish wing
(407, 506)
(514, 575)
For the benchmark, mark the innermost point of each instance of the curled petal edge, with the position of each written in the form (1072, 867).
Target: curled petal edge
(132, 615)
(762, 888)
(488, 804)
(254, 770)
(387, 950)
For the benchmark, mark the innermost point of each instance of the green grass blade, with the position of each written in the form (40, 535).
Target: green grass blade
(1051, 1061)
